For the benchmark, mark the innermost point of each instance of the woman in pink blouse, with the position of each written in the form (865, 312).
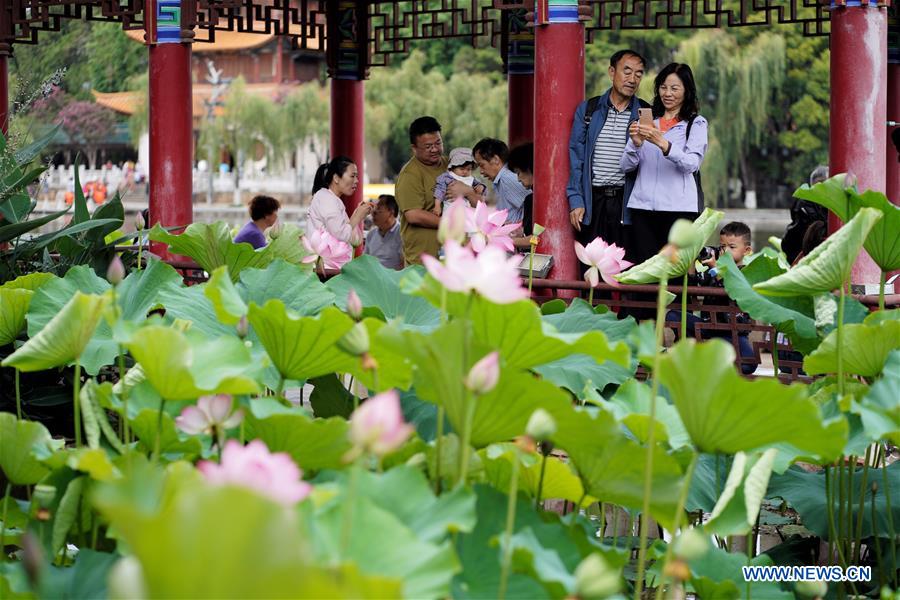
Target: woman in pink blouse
(334, 179)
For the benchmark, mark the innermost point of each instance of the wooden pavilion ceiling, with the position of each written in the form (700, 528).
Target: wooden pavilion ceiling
(394, 24)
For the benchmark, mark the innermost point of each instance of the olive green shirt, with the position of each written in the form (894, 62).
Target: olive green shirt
(415, 189)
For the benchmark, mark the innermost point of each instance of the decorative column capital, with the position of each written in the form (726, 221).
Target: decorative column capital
(169, 21)
(347, 39)
(561, 11)
(860, 4)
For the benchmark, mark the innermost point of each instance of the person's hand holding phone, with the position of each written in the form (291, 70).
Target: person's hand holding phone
(634, 130)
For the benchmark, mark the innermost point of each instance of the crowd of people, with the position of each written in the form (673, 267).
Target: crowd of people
(634, 170)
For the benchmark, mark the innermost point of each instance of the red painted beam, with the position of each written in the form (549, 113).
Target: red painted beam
(171, 138)
(559, 87)
(859, 106)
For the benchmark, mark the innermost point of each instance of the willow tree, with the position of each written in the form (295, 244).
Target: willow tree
(737, 85)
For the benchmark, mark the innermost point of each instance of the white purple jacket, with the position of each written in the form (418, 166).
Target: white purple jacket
(666, 183)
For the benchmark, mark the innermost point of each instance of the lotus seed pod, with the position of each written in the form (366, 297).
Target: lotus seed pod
(541, 426)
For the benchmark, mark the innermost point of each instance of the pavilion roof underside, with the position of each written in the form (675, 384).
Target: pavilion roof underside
(393, 25)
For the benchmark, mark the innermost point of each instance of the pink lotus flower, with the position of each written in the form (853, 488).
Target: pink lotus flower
(488, 227)
(604, 260)
(211, 412)
(484, 375)
(377, 426)
(491, 273)
(333, 252)
(254, 467)
(453, 222)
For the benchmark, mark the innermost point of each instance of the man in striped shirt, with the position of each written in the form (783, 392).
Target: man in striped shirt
(598, 190)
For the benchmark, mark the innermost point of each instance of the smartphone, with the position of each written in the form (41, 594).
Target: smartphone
(646, 116)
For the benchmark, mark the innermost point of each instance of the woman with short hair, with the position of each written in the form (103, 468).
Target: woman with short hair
(263, 215)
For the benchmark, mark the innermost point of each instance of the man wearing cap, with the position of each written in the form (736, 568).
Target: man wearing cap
(457, 178)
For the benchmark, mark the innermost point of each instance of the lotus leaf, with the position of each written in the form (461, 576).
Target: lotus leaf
(879, 409)
(559, 479)
(379, 287)
(724, 412)
(883, 244)
(184, 366)
(22, 446)
(302, 347)
(738, 506)
(827, 267)
(224, 297)
(865, 349)
(64, 339)
(653, 269)
(210, 245)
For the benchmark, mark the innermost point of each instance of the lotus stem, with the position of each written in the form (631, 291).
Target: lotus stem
(437, 449)
(848, 514)
(591, 297)
(77, 403)
(540, 488)
(676, 524)
(577, 510)
(684, 284)
(775, 352)
(347, 524)
(890, 517)
(125, 434)
(140, 253)
(881, 283)
(651, 439)
(840, 511)
(833, 542)
(510, 525)
(862, 507)
(629, 539)
(878, 556)
(840, 343)
(467, 435)
(18, 396)
(159, 419)
(280, 389)
(3, 528)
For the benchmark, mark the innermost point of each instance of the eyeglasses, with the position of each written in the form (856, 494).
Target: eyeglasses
(433, 146)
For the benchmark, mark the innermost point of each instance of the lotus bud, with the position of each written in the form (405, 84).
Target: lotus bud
(541, 426)
(691, 545)
(595, 579)
(811, 589)
(849, 181)
(139, 222)
(126, 580)
(242, 327)
(537, 229)
(355, 341)
(483, 376)
(354, 305)
(453, 223)
(677, 569)
(683, 234)
(115, 272)
(44, 494)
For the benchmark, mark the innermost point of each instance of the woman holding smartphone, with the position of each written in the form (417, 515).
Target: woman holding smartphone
(667, 149)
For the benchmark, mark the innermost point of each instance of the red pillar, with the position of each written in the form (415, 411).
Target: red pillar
(521, 109)
(348, 134)
(892, 167)
(559, 87)
(171, 136)
(859, 106)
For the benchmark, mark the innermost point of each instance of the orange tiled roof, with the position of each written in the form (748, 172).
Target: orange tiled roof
(127, 102)
(226, 41)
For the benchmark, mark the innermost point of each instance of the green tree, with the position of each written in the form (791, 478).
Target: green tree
(107, 40)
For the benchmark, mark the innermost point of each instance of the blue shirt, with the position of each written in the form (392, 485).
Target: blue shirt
(387, 247)
(251, 234)
(510, 194)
